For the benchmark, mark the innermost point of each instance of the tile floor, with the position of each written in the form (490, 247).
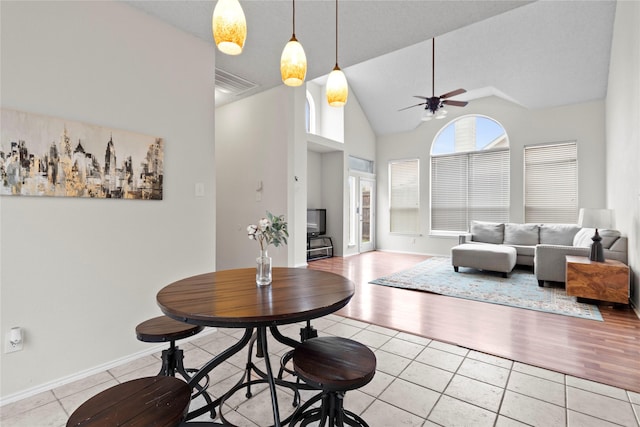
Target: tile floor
(419, 382)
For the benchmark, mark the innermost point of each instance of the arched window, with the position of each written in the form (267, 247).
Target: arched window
(310, 114)
(469, 174)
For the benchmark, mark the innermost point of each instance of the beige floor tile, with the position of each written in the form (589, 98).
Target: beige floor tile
(410, 397)
(600, 406)
(381, 414)
(378, 384)
(390, 363)
(634, 397)
(146, 371)
(595, 387)
(532, 411)
(382, 330)
(83, 384)
(356, 323)
(475, 392)
(546, 390)
(402, 348)
(357, 401)
(636, 410)
(539, 372)
(427, 376)
(488, 358)
(342, 330)
(576, 419)
(449, 348)
(440, 359)
(503, 421)
(413, 338)
(451, 412)
(27, 404)
(485, 372)
(371, 339)
(49, 415)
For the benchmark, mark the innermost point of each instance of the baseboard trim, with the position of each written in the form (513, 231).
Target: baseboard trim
(93, 371)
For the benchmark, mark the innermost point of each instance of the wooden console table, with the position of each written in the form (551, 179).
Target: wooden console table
(605, 281)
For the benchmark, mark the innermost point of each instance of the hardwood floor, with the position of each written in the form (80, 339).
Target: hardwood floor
(607, 352)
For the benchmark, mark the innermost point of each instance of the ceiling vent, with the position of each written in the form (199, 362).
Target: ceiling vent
(232, 84)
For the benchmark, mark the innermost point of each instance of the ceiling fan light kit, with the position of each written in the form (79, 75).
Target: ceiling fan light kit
(229, 27)
(293, 62)
(434, 105)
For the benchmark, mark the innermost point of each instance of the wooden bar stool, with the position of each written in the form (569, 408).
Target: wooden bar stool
(152, 401)
(163, 329)
(333, 365)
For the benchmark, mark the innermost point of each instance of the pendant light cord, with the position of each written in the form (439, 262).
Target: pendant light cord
(294, 18)
(336, 33)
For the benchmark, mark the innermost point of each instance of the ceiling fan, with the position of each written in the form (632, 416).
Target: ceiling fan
(434, 105)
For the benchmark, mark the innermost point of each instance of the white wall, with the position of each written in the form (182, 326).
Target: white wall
(78, 275)
(623, 132)
(253, 140)
(583, 123)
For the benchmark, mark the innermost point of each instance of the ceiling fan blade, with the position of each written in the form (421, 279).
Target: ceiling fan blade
(453, 93)
(455, 103)
(406, 108)
(421, 97)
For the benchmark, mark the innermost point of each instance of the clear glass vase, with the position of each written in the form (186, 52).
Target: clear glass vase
(263, 269)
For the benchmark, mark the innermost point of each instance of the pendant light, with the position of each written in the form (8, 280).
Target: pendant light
(229, 27)
(337, 88)
(293, 62)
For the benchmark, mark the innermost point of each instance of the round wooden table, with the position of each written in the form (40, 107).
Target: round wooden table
(231, 299)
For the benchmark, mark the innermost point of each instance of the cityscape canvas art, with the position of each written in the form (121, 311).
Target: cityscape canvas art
(47, 156)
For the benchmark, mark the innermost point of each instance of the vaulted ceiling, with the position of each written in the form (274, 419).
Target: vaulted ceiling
(537, 54)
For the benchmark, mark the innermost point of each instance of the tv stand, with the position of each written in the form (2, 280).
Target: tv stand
(319, 247)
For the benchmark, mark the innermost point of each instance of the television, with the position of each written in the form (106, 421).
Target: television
(316, 222)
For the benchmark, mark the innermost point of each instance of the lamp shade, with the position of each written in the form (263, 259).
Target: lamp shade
(229, 27)
(337, 88)
(595, 218)
(293, 63)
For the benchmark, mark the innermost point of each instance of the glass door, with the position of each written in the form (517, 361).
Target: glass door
(366, 210)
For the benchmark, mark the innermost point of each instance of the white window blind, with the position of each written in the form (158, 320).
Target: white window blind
(404, 197)
(469, 186)
(551, 183)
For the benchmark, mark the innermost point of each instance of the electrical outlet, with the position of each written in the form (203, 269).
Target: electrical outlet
(9, 347)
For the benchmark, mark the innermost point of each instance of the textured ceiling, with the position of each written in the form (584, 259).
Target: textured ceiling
(537, 54)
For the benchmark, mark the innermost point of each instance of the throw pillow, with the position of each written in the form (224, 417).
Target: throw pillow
(521, 234)
(487, 232)
(583, 237)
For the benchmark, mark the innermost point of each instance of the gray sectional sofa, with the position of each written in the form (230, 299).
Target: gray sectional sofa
(543, 246)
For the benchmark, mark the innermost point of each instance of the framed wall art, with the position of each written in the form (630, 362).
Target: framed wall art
(47, 156)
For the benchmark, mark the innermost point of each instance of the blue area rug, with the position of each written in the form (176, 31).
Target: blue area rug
(520, 289)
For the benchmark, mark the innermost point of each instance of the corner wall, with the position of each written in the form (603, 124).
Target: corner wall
(623, 133)
(79, 274)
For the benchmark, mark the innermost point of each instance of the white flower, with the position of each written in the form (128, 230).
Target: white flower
(264, 224)
(251, 231)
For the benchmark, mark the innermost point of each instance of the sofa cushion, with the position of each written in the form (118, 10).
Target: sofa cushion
(524, 250)
(558, 234)
(521, 234)
(487, 232)
(583, 237)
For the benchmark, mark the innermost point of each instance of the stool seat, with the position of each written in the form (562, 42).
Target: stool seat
(164, 328)
(151, 401)
(334, 365)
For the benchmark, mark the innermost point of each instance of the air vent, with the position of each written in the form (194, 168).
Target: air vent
(232, 84)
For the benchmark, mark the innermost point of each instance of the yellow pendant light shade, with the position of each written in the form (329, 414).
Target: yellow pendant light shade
(293, 63)
(229, 27)
(337, 88)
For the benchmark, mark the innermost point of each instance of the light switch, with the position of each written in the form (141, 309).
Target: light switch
(199, 189)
